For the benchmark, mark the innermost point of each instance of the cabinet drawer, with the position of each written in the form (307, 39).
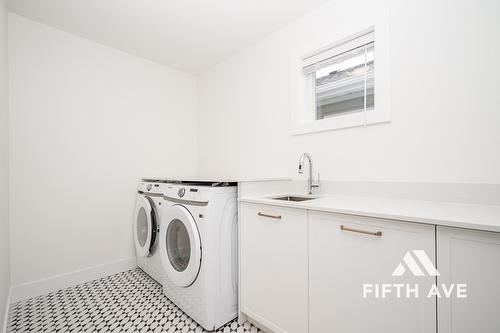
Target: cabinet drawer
(274, 266)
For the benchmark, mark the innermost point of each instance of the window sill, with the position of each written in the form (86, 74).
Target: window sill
(340, 122)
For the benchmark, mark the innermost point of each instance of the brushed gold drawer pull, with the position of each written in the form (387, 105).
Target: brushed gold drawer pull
(277, 217)
(377, 233)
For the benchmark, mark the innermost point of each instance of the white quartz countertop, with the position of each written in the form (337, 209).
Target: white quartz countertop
(462, 215)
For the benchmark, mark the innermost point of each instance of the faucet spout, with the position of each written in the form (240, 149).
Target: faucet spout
(301, 162)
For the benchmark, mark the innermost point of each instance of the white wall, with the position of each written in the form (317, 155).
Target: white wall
(445, 100)
(87, 122)
(4, 167)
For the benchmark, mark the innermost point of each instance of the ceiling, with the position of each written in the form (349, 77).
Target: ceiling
(190, 35)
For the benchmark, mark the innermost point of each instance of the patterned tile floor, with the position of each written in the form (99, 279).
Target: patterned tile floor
(126, 302)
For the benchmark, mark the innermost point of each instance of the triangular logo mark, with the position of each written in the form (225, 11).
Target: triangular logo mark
(413, 266)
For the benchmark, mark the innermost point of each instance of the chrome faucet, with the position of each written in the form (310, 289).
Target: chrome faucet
(310, 182)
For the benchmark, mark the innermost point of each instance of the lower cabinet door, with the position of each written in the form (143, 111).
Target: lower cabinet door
(470, 258)
(274, 267)
(352, 289)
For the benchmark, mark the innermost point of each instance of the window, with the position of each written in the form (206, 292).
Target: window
(344, 84)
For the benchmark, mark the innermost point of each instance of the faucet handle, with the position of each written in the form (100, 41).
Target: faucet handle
(317, 184)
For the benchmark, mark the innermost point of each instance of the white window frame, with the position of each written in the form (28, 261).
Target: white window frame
(303, 118)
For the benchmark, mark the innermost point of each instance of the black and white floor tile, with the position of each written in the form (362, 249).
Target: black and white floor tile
(127, 302)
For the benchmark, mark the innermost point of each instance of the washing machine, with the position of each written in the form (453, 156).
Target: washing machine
(198, 247)
(147, 221)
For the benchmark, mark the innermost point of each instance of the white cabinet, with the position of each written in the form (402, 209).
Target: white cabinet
(346, 252)
(471, 258)
(274, 266)
(313, 272)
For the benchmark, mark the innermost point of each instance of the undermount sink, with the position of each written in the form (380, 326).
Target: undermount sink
(293, 198)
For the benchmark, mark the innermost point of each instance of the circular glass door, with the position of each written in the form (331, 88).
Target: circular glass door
(144, 225)
(180, 246)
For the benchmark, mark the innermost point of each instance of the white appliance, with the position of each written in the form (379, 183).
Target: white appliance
(147, 220)
(198, 246)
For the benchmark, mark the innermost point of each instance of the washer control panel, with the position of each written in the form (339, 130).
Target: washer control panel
(186, 192)
(182, 193)
(151, 187)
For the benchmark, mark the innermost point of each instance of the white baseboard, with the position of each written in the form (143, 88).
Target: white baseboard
(28, 290)
(7, 308)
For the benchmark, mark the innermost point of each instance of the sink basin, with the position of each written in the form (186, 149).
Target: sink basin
(293, 198)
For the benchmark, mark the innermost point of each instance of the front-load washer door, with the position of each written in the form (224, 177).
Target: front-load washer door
(145, 225)
(180, 246)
